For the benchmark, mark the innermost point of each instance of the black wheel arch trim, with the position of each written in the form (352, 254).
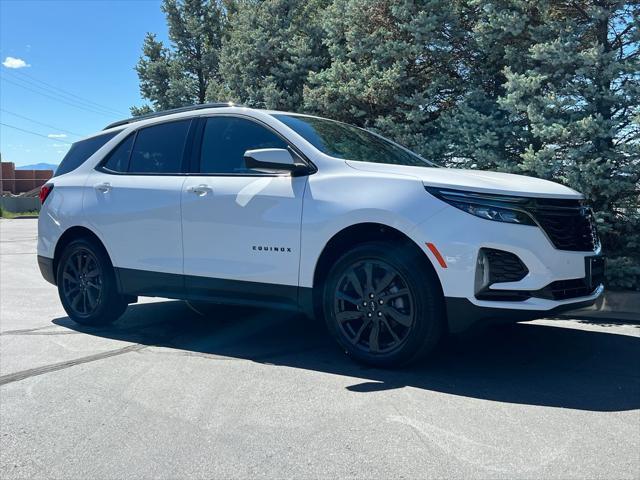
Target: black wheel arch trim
(71, 234)
(364, 233)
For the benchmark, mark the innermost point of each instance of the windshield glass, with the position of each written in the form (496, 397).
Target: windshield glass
(347, 142)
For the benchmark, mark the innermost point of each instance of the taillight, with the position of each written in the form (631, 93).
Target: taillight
(45, 190)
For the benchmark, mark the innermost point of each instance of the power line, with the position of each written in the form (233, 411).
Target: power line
(70, 93)
(40, 123)
(66, 92)
(68, 98)
(81, 107)
(33, 133)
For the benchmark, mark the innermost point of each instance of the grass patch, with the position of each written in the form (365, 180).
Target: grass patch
(6, 214)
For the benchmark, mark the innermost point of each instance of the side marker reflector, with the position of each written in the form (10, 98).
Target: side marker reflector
(436, 254)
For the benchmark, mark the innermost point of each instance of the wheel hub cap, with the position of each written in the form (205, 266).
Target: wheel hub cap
(374, 307)
(82, 282)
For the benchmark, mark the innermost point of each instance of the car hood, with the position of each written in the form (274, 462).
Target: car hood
(474, 180)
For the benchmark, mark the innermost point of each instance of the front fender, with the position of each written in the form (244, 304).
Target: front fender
(335, 203)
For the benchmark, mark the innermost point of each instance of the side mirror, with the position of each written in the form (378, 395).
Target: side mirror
(271, 160)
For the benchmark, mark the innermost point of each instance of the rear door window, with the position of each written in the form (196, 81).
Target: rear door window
(81, 151)
(160, 148)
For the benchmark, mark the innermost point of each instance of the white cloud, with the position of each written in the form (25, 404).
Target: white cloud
(57, 135)
(60, 145)
(11, 62)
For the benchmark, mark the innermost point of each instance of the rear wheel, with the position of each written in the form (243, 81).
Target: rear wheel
(383, 305)
(87, 285)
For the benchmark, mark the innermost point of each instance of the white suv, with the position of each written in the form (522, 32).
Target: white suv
(226, 204)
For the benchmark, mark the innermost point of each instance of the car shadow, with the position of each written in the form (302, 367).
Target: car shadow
(533, 364)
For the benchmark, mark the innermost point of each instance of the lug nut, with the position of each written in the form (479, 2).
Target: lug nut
(381, 302)
(379, 314)
(371, 295)
(369, 315)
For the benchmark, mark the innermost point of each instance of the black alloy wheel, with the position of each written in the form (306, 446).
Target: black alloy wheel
(82, 282)
(383, 303)
(374, 306)
(87, 284)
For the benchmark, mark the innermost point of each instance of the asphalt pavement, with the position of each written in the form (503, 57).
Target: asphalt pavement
(166, 393)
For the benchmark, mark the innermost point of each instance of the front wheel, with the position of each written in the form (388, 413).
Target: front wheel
(87, 285)
(383, 305)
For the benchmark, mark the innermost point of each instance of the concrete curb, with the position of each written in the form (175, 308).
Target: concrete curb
(613, 305)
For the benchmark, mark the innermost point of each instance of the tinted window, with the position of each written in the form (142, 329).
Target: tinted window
(81, 151)
(227, 138)
(158, 149)
(347, 142)
(118, 159)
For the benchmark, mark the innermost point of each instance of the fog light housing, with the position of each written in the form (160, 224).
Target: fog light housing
(497, 266)
(482, 279)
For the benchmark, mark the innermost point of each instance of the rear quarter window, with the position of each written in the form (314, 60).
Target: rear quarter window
(81, 151)
(118, 159)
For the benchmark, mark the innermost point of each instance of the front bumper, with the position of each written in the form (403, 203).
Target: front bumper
(463, 315)
(459, 237)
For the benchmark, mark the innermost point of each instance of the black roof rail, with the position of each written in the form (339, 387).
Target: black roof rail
(169, 112)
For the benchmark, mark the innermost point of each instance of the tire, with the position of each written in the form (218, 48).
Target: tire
(87, 284)
(394, 318)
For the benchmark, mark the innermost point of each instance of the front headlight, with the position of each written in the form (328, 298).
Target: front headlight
(499, 208)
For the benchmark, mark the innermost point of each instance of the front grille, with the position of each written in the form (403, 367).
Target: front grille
(569, 224)
(558, 290)
(564, 289)
(503, 295)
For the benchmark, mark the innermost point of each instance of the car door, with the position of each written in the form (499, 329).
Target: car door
(132, 201)
(241, 228)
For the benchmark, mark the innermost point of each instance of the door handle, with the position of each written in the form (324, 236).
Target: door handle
(103, 187)
(200, 190)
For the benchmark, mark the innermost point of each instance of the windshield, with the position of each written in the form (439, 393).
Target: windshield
(347, 142)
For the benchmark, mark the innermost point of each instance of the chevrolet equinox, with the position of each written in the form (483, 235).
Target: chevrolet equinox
(225, 204)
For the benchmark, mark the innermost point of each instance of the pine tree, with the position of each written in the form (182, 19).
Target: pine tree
(580, 95)
(271, 47)
(180, 75)
(395, 67)
(160, 79)
(477, 131)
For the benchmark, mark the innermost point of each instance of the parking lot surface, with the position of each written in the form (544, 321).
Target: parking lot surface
(167, 393)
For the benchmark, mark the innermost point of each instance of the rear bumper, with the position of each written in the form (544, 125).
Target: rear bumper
(46, 269)
(464, 315)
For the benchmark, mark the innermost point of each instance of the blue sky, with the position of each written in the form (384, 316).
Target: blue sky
(79, 51)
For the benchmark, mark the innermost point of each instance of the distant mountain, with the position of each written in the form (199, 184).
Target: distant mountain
(38, 166)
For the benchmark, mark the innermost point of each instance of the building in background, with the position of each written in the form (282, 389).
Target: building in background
(20, 181)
